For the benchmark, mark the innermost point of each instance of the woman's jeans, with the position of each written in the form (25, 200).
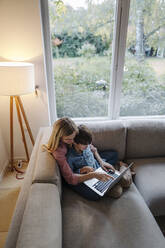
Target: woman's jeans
(110, 157)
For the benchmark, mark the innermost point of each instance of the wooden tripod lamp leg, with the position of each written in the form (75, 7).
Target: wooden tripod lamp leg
(25, 119)
(11, 133)
(21, 126)
(19, 106)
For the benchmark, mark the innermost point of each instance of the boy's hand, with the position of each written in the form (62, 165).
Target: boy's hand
(106, 166)
(86, 169)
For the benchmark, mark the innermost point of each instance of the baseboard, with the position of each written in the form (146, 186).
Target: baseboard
(4, 169)
(19, 158)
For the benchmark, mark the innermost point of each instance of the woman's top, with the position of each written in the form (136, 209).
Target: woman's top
(66, 171)
(60, 156)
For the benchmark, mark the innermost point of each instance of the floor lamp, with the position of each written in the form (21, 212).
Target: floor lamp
(17, 78)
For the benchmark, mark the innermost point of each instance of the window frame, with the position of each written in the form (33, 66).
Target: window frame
(118, 57)
(48, 63)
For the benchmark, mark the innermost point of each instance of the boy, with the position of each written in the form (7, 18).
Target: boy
(83, 158)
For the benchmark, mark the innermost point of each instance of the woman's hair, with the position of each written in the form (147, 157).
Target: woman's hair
(62, 127)
(84, 135)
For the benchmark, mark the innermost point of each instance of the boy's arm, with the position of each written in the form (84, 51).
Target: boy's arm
(103, 164)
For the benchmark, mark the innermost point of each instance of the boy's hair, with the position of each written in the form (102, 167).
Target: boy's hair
(84, 135)
(62, 127)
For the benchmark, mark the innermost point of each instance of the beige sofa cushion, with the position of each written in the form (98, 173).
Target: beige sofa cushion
(108, 135)
(150, 182)
(41, 225)
(46, 168)
(145, 138)
(109, 223)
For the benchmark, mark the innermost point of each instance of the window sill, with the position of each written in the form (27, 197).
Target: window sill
(95, 119)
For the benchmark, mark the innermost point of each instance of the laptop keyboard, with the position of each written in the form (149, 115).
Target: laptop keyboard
(102, 186)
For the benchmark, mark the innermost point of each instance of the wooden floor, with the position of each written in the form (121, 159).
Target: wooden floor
(9, 191)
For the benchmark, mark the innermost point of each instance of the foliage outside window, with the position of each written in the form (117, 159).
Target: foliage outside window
(82, 50)
(82, 60)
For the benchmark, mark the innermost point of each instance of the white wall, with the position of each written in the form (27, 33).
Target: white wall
(3, 156)
(21, 40)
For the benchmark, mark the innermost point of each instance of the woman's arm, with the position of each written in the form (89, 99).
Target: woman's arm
(67, 173)
(72, 178)
(86, 169)
(100, 176)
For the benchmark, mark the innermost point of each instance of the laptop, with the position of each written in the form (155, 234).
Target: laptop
(101, 187)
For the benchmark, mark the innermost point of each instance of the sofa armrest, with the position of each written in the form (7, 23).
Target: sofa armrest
(46, 168)
(41, 224)
(22, 198)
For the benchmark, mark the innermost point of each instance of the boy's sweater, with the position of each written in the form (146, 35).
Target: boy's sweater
(78, 160)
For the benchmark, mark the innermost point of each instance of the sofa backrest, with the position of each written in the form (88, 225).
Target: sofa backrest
(108, 135)
(145, 138)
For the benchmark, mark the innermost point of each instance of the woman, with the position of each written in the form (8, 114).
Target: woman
(61, 139)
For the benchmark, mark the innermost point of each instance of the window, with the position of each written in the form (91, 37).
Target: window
(82, 35)
(100, 69)
(143, 87)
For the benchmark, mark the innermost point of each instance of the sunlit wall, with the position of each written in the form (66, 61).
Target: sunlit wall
(21, 40)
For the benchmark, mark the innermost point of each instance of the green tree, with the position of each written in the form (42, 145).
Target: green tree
(96, 19)
(148, 18)
(56, 10)
(139, 48)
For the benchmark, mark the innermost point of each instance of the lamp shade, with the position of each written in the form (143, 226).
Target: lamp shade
(16, 78)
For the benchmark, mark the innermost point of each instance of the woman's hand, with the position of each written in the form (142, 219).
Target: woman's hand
(99, 175)
(86, 169)
(106, 166)
(102, 176)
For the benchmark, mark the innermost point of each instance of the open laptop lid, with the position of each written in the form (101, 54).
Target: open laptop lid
(90, 183)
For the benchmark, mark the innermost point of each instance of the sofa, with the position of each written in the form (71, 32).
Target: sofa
(49, 214)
